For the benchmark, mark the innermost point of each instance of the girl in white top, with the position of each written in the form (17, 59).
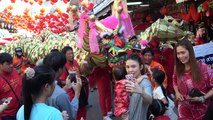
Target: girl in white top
(159, 93)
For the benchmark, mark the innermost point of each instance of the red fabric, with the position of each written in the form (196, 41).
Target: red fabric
(70, 67)
(82, 112)
(102, 78)
(5, 92)
(188, 110)
(92, 82)
(199, 41)
(168, 64)
(163, 117)
(76, 68)
(121, 98)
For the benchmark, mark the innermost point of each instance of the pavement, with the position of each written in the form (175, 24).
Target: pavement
(93, 110)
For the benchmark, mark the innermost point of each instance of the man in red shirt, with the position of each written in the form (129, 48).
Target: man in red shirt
(10, 83)
(201, 35)
(70, 67)
(148, 55)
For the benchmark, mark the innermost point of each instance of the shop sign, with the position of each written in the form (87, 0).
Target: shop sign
(204, 53)
(180, 1)
(101, 6)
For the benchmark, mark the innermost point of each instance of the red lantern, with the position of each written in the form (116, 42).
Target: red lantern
(149, 18)
(164, 10)
(13, 1)
(66, 1)
(90, 7)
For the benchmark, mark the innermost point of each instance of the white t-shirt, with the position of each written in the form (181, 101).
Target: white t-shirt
(158, 94)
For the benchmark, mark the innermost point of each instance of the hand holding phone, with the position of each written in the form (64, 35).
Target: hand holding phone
(72, 76)
(130, 77)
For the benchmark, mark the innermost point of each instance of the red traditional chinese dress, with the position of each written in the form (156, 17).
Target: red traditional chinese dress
(188, 110)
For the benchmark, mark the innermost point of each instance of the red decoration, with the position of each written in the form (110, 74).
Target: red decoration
(192, 14)
(164, 10)
(149, 18)
(13, 1)
(118, 42)
(91, 5)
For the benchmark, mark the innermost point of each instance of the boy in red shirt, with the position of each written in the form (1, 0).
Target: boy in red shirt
(9, 77)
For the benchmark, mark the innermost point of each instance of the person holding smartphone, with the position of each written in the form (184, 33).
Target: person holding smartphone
(141, 88)
(60, 99)
(71, 66)
(10, 83)
(4, 104)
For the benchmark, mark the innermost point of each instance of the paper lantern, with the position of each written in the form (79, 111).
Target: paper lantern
(84, 3)
(13, 1)
(164, 11)
(91, 5)
(69, 8)
(66, 1)
(31, 2)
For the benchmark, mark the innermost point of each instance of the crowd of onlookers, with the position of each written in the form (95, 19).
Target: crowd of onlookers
(57, 87)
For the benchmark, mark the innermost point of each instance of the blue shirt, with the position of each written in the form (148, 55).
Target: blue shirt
(60, 100)
(40, 111)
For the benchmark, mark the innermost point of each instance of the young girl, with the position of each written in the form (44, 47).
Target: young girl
(159, 93)
(121, 95)
(38, 85)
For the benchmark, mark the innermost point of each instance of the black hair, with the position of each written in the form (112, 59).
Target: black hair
(34, 86)
(5, 57)
(65, 49)
(148, 50)
(158, 76)
(157, 107)
(54, 50)
(55, 60)
(131, 38)
(137, 58)
(119, 72)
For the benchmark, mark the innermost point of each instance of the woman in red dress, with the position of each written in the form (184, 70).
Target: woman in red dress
(189, 74)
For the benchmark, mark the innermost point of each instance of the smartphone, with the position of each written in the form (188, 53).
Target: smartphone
(1, 102)
(72, 76)
(130, 77)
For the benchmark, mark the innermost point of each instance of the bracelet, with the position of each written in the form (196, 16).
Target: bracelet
(202, 99)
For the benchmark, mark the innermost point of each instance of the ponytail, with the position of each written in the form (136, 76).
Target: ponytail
(33, 83)
(164, 93)
(28, 102)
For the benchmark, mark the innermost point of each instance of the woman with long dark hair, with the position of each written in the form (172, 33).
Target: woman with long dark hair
(38, 85)
(192, 82)
(140, 89)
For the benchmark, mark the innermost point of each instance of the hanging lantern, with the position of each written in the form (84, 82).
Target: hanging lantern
(164, 10)
(13, 1)
(31, 2)
(69, 8)
(26, 1)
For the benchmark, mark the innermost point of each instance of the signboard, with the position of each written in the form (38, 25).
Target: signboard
(180, 1)
(204, 53)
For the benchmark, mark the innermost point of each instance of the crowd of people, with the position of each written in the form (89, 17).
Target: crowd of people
(57, 87)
